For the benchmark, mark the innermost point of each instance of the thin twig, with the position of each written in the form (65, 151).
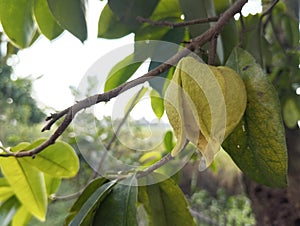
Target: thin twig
(212, 50)
(113, 138)
(177, 24)
(104, 97)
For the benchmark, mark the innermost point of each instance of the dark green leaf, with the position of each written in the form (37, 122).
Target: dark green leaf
(110, 26)
(70, 15)
(121, 72)
(45, 21)
(86, 213)
(128, 10)
(8, 210)
(17, 22)
(258, 145)
(119, 207)
(164, 203)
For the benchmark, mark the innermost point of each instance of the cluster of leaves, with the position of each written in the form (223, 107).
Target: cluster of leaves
(257, 145)
(29, 182)
(221, 209)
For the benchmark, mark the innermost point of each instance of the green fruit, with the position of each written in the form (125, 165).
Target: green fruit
(204, 104)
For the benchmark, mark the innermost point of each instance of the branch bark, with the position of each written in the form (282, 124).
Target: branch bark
(107, 96)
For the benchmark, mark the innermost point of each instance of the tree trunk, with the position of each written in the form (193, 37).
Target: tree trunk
(279, 206)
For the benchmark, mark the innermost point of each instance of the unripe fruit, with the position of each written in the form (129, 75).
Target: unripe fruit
(204, 104)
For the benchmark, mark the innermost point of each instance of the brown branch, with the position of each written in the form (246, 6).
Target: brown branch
(104, 97)
(212, 50)
(177, 24)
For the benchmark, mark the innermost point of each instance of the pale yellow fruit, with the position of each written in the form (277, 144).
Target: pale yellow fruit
(204, 104)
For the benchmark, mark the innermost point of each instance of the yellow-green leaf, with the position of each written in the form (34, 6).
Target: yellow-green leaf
(5, 190)
(27, 183)
(58, 160)
(258, 144)
(22, 217)
(157, 103)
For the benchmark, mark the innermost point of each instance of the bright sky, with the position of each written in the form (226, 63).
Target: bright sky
(64, 61)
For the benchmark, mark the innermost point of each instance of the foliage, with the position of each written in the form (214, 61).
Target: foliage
(251, 46)
(221, 209)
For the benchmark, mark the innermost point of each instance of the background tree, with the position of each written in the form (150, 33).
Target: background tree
(256, 45)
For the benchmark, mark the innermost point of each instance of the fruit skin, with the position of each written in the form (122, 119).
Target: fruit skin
(204, 104)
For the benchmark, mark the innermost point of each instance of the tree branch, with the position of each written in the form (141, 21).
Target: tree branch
(104, 97)
(177, 24)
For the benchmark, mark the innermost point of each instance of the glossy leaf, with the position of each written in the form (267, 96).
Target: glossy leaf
(86, 213)
(110, 26)
(165, 203)
(45, 20)
(258, 145)
(119, 207)
(58, 160)
(5, 190)
(8, 210)
(157, 103)
(70, 15)
(27, 183)
(128, 10)
(22, 217)
(17, 22)
(121, 72)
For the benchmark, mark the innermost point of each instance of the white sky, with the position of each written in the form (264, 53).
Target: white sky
(64, 61)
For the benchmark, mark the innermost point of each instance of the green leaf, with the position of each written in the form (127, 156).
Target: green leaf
(17, 22)
(27, 183)
(22, 217)
(52, 184)
(110, 26)
(58, 160)
(86, 213)
(121, 72)
(70, 15)
(168, 141)
(128, 10)
(119, 207)
(8, 210)
(257, 145)
(166, 9)
(164, 203)
(5, 190)
(45, 21)
(291, 113)
(157, 103)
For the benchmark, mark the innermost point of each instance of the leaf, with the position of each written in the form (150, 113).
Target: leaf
(58, 160)
(157, 104)
(22, 217)
(164, 203)
(5, 190)
(86, 213)
(128, 10)
(70, 15)
(110, 26)
(258, 145)
(121, 72)
(45, 20)
(168, 141)
(17, 22)
(166, 9)
(52, 184)
(27, 183)
(119, 207)
(8, 210)
(291, 113)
